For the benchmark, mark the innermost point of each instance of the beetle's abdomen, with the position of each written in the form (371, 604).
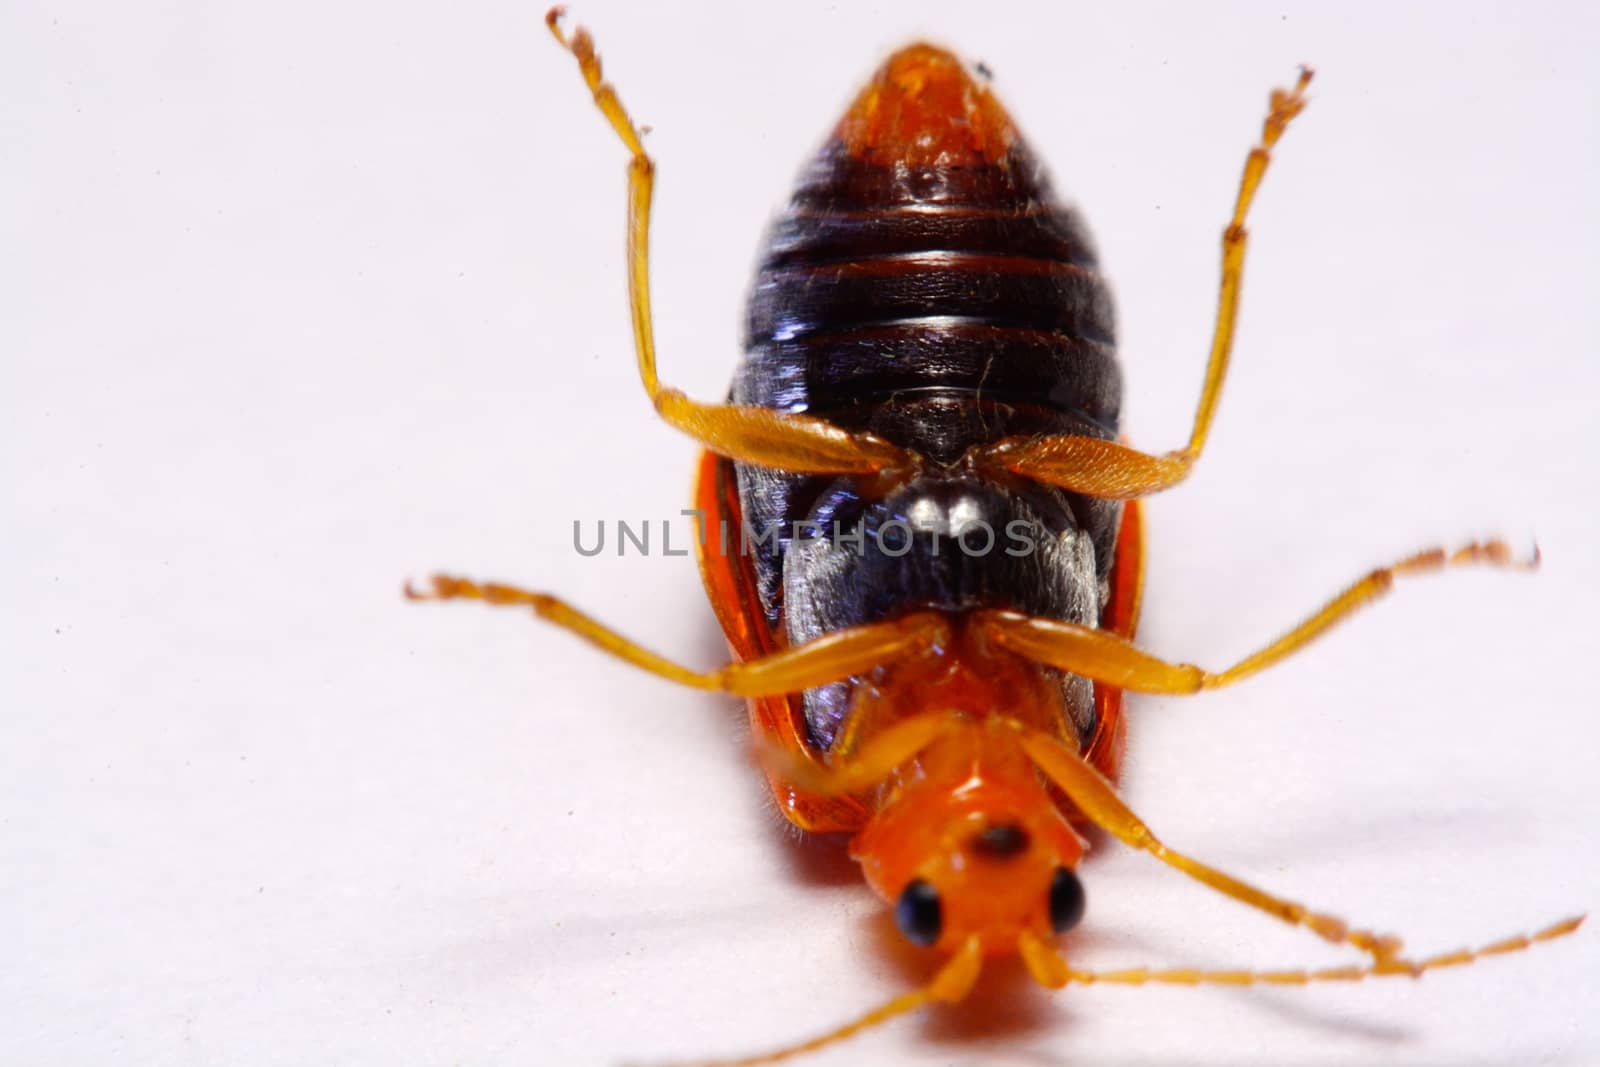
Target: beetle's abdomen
(924, 255)
(883, 283)
(970, 283)
(924, 284)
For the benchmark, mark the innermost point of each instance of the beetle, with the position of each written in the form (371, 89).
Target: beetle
(930, 353)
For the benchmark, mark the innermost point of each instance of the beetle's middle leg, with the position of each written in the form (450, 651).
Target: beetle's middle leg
(758, 435)
(829, 658)
(1099, 468)
(1113, 660)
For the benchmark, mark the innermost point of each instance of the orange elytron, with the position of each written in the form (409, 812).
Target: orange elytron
(921, 532)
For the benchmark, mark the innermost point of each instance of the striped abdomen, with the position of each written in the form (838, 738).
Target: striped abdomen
(965, 284)
(924, 284)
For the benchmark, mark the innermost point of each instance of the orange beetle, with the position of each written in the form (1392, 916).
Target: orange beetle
(930, 353)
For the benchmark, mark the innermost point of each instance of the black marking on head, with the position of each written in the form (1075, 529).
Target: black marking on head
(919, 913)
(1001, 841)
(1066, 900)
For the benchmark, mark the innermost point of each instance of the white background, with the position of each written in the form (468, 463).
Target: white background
(298, 300)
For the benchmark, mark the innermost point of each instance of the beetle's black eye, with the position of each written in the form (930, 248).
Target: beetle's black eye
(1066, 900)
(919, 913)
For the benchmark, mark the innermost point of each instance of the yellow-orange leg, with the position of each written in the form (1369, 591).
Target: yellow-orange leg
(756, 435)
(951, 985)
(1050, 969)
(1108, 469)
(827, 659)
(1095, 797)
(870, 764)
(1106, 657)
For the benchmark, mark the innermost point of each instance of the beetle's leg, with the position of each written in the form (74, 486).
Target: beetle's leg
(869, 764)
(1095, 797)
(1099, 468)
(1050, 969)
(827, 659)
(779, 735)
(756, 435)
(1106, 657)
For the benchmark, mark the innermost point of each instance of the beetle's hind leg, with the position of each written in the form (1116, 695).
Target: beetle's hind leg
(762, 436)
(1107, 469)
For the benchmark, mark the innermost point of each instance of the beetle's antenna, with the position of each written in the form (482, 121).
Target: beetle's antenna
(1048, 968)
(953, 982)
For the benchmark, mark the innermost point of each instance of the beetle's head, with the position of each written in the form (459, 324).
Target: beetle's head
(991, 859)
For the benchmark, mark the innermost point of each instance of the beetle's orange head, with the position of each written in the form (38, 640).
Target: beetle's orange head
(988, 858)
